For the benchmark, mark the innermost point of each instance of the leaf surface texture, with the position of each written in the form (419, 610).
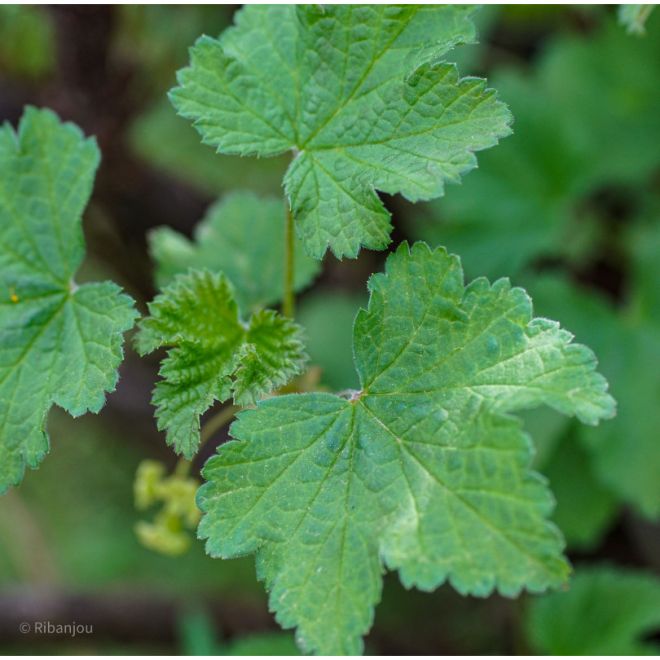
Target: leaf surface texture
(60, 343)
(361, 97)
(212, 354)
(423, 470)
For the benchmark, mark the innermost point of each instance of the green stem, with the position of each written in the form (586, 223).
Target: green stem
(222, 417)
(288, 304)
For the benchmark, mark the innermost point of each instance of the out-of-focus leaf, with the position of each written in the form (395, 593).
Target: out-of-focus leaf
(634, 17)
(328, 318)
(605, 85)
(264, 645)
(624, 452)
(86, 526)
(167, 142)
(197, 634)
(532, 189)
(27, 41)
(585, 508)
(606, 611)
(155, 38)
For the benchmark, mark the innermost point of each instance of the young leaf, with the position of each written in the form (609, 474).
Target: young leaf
(359, 94)
(412, 469)
(607, 611)
(60, 343)
(212, 354)
(241, 236)
(634, 17)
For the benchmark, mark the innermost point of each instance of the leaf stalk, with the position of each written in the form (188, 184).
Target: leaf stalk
(288, 302)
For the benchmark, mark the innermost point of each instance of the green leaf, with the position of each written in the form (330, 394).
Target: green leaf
(27, 41)
(585, 508)
(361, 98)
(241, 236)
(265, 644)
(60, 343)
(407, 472)
(634, 17)
(607, 611)
(327, 317)
(212, 354)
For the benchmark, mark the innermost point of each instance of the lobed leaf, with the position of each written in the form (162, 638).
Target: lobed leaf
(361, 98)
(212, 354)
(423, 470)
(60, 342)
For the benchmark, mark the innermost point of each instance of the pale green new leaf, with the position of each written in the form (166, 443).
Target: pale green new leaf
(361, 98)
(423, 470)
(212, 354)
(634, 17)
(60, 343)
(606, 611)
(241, 236)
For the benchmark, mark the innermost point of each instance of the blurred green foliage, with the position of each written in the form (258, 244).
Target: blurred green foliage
(197, 636)
(81, 505)
(327, 317)
(155, 39)
(533, 196)
(27, 41)
(634, 17)
(170, 144)
(608, 611)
